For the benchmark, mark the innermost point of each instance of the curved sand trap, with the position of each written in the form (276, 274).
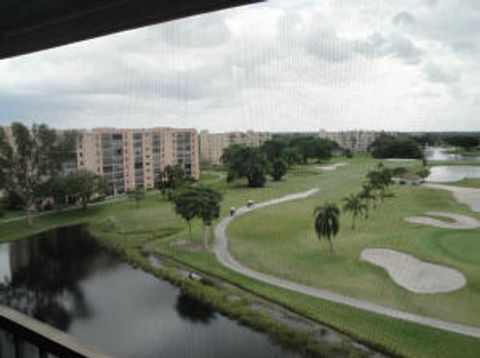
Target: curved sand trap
(460, 222)
(469, 196)
(400, 160)
(413, 274)
(332, 167)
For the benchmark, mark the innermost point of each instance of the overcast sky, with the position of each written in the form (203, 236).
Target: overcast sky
(279, 66)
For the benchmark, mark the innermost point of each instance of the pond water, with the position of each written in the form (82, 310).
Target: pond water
(64, 278)
(453, 173)
(442, 153)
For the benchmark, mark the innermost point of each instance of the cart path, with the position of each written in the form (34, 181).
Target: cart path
(227, 260)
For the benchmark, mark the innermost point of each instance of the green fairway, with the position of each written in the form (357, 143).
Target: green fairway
(120, 216)
(280, 240)
(471, 162)
(469, 183)
(471, 152)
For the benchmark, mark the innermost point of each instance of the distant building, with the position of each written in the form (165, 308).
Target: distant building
(129, 158)
(213, 144)
(355, 140)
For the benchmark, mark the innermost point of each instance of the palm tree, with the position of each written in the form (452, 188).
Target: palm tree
(327, 223)
(355, 205)
(366, 195)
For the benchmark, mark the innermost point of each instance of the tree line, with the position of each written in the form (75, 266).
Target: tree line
(31, 170)
(466, 141)
(275, 157)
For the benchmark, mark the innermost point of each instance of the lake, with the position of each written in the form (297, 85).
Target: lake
(66, 279)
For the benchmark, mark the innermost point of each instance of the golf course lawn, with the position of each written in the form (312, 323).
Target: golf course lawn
(469, 183)
(282, 237)
(471, 152)
(280, 240)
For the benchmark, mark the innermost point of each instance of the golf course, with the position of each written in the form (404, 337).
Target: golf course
(280, 240)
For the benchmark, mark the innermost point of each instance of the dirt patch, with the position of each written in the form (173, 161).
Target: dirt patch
(188, 245)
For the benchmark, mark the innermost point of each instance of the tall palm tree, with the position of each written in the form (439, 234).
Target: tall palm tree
(355, 205)
(327, 223)
(367, 194)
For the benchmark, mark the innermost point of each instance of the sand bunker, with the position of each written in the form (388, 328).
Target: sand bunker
(329, 168)
(413, 274)
(469, 196)
(400, 160)
(460, 222)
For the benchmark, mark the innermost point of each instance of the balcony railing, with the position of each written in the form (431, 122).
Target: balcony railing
(22, 336)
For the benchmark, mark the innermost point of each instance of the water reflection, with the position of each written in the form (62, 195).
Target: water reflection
(41, 280)
(453, 173)
(193, 310)
(67, 280)
(442, 153)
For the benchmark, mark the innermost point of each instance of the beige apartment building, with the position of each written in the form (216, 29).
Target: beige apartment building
(129, 158)
(213, 144)
(355, 140)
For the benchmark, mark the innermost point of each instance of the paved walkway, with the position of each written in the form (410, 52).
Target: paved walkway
(226, 259)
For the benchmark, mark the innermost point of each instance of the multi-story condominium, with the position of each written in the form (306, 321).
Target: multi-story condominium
(355, 140)
(129, 158)
(213, 144)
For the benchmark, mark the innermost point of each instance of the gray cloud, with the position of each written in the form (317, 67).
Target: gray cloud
(403, 18)
(279, 65)
(437, 74)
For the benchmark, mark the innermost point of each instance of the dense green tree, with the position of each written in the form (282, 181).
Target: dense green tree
(387, 146)
(427, 139)
(208, 208)
(327, 223)
(354, 205)
(274, 149)
(246, 162)
(313, 148)
(291, 156)
(56, 189)
(467, 142)
(85, 185)
(172, 178)
(27, 163)
(187, 201)
(279, 168)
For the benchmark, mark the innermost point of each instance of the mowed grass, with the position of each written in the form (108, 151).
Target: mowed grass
(280, 240)
(471, 152)
(469, 183)
(122, 216)
(123, 225)
(397, 336)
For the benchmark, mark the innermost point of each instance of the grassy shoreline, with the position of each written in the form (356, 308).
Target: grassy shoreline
(217, 296)
(467, 183)
(120, 224)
